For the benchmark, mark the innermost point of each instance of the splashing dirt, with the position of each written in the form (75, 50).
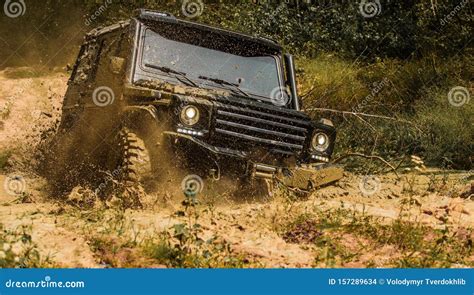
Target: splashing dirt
(83, 231)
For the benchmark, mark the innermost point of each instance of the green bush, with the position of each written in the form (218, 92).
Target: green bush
(414, 93)
(448, 131)
(400, 63)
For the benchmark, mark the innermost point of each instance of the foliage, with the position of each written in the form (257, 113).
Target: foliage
(116, 241)
(400, 63)
(448, 138)
(184, 246)
(17, 249)
(414, 93)
(402, 29)
(416, 245)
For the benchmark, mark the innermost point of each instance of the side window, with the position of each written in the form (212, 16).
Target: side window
(86, 61)
(111, 56)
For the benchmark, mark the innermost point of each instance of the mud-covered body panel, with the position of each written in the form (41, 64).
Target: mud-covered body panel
(237, 132)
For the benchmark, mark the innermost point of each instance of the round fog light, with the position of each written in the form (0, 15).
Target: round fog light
(189, 115)
(320, 142)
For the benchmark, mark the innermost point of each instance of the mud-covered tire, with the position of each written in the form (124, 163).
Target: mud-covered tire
(130, 162)
(129, 165)
(136, 164)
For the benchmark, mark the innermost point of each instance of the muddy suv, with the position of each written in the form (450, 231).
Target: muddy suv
(155, 94)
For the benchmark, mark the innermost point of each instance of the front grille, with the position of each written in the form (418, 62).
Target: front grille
(247, 125)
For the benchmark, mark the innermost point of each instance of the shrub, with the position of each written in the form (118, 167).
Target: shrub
(414, 93)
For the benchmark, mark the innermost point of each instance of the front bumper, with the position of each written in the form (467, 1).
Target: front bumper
(311, 178)
(304, 178)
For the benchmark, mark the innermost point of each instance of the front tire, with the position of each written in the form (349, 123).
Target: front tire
(136, 160)
(130, 166)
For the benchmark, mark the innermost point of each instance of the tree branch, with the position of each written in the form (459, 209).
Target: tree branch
(356, 114)
(367, 157)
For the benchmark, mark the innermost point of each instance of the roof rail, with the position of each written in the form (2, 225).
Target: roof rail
(147, 13)
(104, 30)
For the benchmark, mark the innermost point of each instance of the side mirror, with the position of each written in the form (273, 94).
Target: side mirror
(117, 65)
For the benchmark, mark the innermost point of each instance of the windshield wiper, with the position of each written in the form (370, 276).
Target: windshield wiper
(179, 75)
(224, 82)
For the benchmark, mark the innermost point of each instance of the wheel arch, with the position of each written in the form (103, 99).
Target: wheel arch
(135, 117)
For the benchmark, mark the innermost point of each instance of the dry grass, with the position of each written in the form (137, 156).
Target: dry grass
(413, 245)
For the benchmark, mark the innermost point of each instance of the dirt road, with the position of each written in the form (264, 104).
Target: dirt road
(417, 219)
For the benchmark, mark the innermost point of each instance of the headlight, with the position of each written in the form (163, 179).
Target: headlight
(320, 142)
(189, 115)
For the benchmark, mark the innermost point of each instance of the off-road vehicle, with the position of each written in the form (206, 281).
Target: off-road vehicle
(155, 93)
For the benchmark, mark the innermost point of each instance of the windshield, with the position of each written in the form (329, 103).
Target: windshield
(256, 75)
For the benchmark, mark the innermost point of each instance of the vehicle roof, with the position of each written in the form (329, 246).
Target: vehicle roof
(99, 31)
(151, 15)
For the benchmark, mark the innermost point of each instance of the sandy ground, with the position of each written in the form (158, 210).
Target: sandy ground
(63, 233)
